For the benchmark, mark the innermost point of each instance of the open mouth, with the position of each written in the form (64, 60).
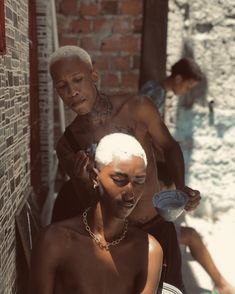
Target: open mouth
(127, 205)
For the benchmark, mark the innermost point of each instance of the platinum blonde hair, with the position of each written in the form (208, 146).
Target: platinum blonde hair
(70, 51)
(118, 146)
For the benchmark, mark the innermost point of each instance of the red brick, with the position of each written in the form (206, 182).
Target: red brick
(68, 7)
(102, 26)
(131, 7)
(130, 44)
(68, 40)
(121, 62)
(80, 26)
(89, 9)
(111, 44)
(138, 25)
(110, 80)
(122, 25)
(136, 62)
(109, 7)
(90, 44)
(101, 62)
(130, 80)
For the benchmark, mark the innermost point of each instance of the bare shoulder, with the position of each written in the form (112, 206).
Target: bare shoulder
(154, 245)
(51, 236)
(141, 236)
(136, 104)
(59, 233)
(140, 103)
(119, 100)
(145, 242)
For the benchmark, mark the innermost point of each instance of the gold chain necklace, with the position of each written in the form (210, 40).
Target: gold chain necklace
(97, 239)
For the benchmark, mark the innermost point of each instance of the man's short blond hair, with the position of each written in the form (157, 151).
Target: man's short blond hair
(118, 146)
(70, 51)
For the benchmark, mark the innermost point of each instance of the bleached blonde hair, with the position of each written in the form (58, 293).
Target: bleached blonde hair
(118, 146)
(70, 51)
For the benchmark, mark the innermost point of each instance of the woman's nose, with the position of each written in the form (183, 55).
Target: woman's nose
(72, 91)
(128, 193)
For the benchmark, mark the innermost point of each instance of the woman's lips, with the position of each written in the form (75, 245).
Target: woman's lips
(76, 103)
(127, 204)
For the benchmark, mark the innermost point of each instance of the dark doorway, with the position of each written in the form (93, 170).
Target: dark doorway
(154, 41)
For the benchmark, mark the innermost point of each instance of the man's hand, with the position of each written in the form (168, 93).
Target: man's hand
(194, 198)
(81, 166)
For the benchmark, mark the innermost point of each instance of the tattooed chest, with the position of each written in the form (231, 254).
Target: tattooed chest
(125, 129)
(86, 136)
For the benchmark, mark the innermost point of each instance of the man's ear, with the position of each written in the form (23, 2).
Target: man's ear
(94, 76)
(178, 79)
(94, 177)
(93, 174)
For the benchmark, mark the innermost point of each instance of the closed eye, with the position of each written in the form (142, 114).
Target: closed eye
(140, 180)
(60, 86)
(78, 80)
(120, 181)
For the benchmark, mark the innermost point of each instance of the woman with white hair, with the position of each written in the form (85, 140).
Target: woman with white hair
(98, 251)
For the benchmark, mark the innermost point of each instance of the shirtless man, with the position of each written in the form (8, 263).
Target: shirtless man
(185, 75)
(75, 81)
(98, 252)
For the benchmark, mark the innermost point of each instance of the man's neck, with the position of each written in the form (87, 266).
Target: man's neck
(105, 225)
(101, 111)
(167, 84)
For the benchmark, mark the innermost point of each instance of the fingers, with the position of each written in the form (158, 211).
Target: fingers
(80, 165)
(194, 198)
(192, 204)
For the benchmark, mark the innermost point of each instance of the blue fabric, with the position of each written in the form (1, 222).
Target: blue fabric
(156, 92)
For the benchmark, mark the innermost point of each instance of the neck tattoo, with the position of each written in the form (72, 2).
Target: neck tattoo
(103, 107)
(97, 239)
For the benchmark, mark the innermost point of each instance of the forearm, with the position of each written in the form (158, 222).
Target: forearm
(175, 165)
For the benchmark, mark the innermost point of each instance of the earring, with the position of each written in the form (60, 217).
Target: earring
(95, 185)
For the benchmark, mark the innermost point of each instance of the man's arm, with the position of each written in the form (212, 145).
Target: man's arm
(155, 258)
(148, 114)
(74, 164)
(44, 260)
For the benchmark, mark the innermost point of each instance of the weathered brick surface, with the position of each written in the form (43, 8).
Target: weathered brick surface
(205, 30)
(14, 134)
(105, 28)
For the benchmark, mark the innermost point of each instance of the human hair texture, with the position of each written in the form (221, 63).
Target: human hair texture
(70, 51)
(187, 68)
(118, 146)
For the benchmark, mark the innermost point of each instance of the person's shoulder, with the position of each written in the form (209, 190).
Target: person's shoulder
(52, 233)
(138, 235)
(154, 245)
(57, 235)
(145, 240)
(142, 108)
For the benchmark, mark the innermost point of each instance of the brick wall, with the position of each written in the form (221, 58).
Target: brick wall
(14, 134)
(111, 32)
(205, 31)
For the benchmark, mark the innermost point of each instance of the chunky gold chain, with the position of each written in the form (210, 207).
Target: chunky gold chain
(97, 239)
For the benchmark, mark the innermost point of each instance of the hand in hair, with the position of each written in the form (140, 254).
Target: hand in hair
(82, 166)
